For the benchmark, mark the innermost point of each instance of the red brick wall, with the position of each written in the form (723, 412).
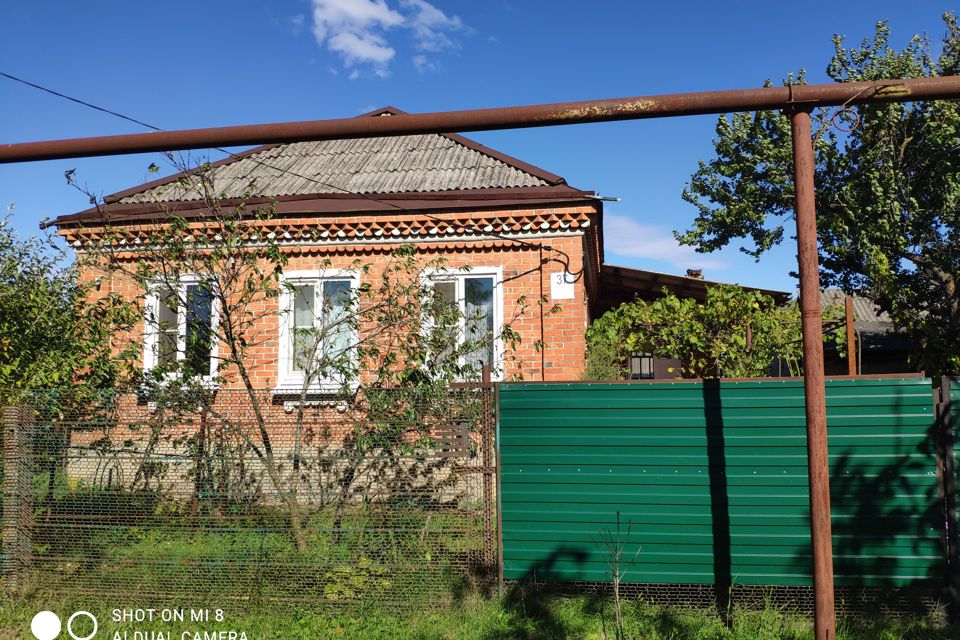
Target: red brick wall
(524, 275)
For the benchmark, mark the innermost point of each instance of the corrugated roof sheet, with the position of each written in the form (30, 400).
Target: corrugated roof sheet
(867, 316)
(402, 164)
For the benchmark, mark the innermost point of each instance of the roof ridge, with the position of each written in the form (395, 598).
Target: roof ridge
(508, 161)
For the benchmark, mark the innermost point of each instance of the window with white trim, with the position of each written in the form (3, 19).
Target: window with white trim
(478, 298)
(180, 328)
(316, 329)
(641, 366)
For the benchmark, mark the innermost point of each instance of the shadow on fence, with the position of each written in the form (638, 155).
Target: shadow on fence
(719, 500)
(713, 477)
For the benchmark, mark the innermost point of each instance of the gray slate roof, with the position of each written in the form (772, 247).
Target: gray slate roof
(867, 317)
(403, 164)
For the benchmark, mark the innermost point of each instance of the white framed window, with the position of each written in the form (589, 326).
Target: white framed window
(315, 328)
(180, 328)
(641, 366)
(477, 294)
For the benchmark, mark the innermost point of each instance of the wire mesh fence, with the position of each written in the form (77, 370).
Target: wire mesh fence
(379, 495)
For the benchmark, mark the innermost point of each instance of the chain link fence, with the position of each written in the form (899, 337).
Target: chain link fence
(379, 495)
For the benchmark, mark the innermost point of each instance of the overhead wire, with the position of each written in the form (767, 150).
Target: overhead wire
(78, 101)
(464, 227)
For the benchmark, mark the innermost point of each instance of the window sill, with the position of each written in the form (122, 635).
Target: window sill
(316, 395)
(294, 388)
(145, 392)
(209, 383)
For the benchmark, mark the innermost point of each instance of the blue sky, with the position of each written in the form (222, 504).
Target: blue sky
(198, 64)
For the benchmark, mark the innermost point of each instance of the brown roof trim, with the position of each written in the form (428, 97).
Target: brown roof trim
(622, 284)
(335, 203)
(113, 197)
(543, 174)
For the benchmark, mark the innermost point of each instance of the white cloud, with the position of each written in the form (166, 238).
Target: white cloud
(356, 30)
(352, 29)
(361, 47)
(352, 15)
(423, 64)
(627, 237)
(430, 26)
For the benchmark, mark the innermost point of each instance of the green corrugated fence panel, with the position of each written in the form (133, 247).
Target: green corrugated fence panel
(955, 411)
(954, 393)
(709, 482)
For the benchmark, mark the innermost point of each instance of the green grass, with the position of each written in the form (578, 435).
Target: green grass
(529, 617)
(380, 554)
(405, 554)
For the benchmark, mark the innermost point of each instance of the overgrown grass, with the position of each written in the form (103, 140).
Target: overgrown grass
(405, 554)
(530, 617)
(114, 542)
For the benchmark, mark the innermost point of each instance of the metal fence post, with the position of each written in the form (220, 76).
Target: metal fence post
(17, 495)
(825, 619)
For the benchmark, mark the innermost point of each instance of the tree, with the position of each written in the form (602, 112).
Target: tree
(56, 341)
(385, 351)
(887, 191)
(735, 333)
(53, 333)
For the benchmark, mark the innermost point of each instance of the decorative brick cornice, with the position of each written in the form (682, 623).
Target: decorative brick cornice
(373, 249)
(360, 230)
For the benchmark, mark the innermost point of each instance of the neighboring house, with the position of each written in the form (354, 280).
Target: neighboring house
(623, 284)
(880, 349)
(520, 231)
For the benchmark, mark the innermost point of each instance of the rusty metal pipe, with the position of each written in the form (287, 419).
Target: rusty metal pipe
(662, 106)
(813, 376)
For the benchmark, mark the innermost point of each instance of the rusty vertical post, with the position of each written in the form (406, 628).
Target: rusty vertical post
(851, 336)
(813, 379)
(486, 434)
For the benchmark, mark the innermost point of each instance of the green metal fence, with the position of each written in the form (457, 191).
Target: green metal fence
(706, 483)
(951, 396)
(948, 409)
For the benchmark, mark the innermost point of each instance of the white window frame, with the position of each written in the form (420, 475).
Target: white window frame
(289, 382)
(432, 276)
(641, 356)
(151, 331)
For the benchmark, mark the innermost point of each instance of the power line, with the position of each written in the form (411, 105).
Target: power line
(463, 227)
(78, 101)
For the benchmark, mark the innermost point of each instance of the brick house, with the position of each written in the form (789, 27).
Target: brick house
(519, 230)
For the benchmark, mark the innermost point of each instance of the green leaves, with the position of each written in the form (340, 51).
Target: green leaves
(52, 332)
(888, 192)
(735, 333)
